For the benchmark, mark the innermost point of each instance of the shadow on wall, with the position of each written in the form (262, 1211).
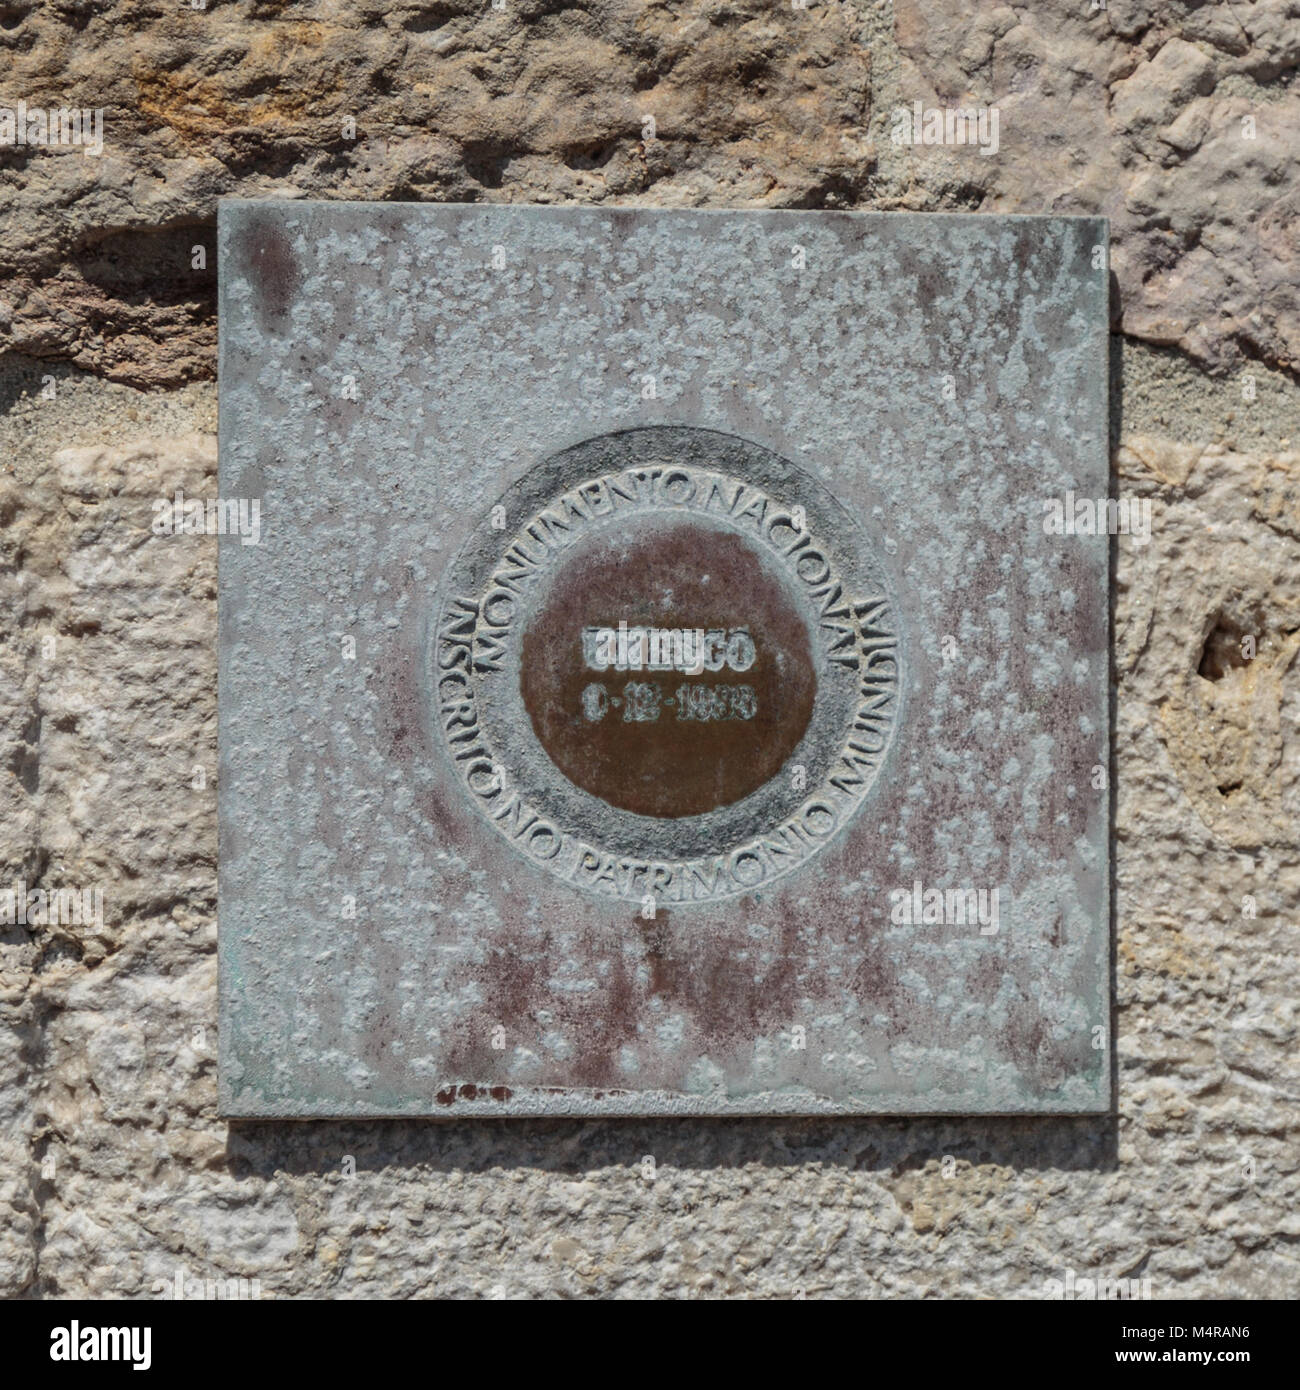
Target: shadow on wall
(886, 1146)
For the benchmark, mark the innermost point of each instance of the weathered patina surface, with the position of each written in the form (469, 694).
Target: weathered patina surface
(795, 462)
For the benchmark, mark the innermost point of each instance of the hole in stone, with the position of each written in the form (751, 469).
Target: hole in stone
(1224, 649)
(594, 156)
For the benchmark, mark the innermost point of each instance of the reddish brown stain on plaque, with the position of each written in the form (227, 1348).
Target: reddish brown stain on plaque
(673, 741)
(272, 270)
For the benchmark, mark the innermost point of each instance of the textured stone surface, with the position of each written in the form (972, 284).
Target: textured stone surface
(115, 1172)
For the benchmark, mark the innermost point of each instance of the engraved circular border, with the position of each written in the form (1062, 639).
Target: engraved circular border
(495, 583)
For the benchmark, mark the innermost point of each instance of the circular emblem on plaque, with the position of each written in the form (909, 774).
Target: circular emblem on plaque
(674, 673)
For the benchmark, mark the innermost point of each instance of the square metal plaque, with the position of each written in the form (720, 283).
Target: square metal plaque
(671, 676)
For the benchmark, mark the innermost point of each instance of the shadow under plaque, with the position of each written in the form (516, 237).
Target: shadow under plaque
(672, 674)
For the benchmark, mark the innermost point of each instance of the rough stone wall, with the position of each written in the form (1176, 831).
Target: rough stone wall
(1175, 120)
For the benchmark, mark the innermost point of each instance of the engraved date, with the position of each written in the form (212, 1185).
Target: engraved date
(642, 702)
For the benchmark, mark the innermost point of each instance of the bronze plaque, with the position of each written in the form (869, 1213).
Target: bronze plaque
(672, 675)
(655, 690)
